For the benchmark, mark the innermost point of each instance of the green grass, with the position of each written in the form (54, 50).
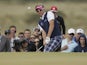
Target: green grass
(43, 58)
(17, 14)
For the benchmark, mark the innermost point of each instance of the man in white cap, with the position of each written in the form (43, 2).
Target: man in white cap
(78, 33)
(49, 29)
(68, 44)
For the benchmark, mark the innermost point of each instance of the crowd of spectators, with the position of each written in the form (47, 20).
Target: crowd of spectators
(27, 41)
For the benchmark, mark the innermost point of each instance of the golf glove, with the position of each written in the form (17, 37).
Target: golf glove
(47, 40)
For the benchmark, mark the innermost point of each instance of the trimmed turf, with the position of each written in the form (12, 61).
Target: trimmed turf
(38, 58)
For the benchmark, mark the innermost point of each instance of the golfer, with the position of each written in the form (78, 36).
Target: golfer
(49, 29)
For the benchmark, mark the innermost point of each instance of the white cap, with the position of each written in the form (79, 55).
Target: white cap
(80, 30)
(71, 30)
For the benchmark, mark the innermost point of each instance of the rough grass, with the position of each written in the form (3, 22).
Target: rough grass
(15, 14)
(38, 58)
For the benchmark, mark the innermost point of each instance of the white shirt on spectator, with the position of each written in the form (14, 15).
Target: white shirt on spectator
(71, 45)
(12, 43)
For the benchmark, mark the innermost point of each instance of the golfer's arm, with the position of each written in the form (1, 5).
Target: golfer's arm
(51, 27)
(43, 34)
(64, 48)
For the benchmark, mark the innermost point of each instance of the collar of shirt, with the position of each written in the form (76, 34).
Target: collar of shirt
(70, 41)
(43, 16)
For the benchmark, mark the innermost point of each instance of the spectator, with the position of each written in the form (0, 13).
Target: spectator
(12, 36)
(4, 44)
(32, 38)
(36, 42)
(82, 45)
(31, 45)
(38, 36)
(36, 32)
(78, 33)
(40, 45)
(21, 35)
(68, 44)
(27, 34)
(24, 46)
(17, 45)
(60, 21)
(49, 29)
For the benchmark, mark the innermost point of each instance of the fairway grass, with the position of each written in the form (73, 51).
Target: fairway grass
(38, 58)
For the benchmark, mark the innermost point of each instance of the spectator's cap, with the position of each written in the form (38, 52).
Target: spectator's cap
(71, 30)
(80, 30)
(39, 7)
(54, 9)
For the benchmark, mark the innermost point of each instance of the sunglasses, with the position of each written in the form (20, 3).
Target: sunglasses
(38, 10)
(20, 36)
(79, 33)
(32, 37)
(71, 34)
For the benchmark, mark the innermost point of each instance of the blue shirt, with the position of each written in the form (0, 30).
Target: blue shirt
(71, 45)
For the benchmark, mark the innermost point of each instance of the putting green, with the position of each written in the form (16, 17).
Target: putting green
(39, 58)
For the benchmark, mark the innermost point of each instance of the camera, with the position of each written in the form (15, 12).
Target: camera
(7, 32)
(17, 45)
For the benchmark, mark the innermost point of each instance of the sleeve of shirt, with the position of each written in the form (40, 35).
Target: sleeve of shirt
(40, 27)
(63, 43)
(50, 16)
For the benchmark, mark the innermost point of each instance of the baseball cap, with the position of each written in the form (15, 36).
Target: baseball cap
(54, 9)
(71, 30)
(79, 30)
(39, 7)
